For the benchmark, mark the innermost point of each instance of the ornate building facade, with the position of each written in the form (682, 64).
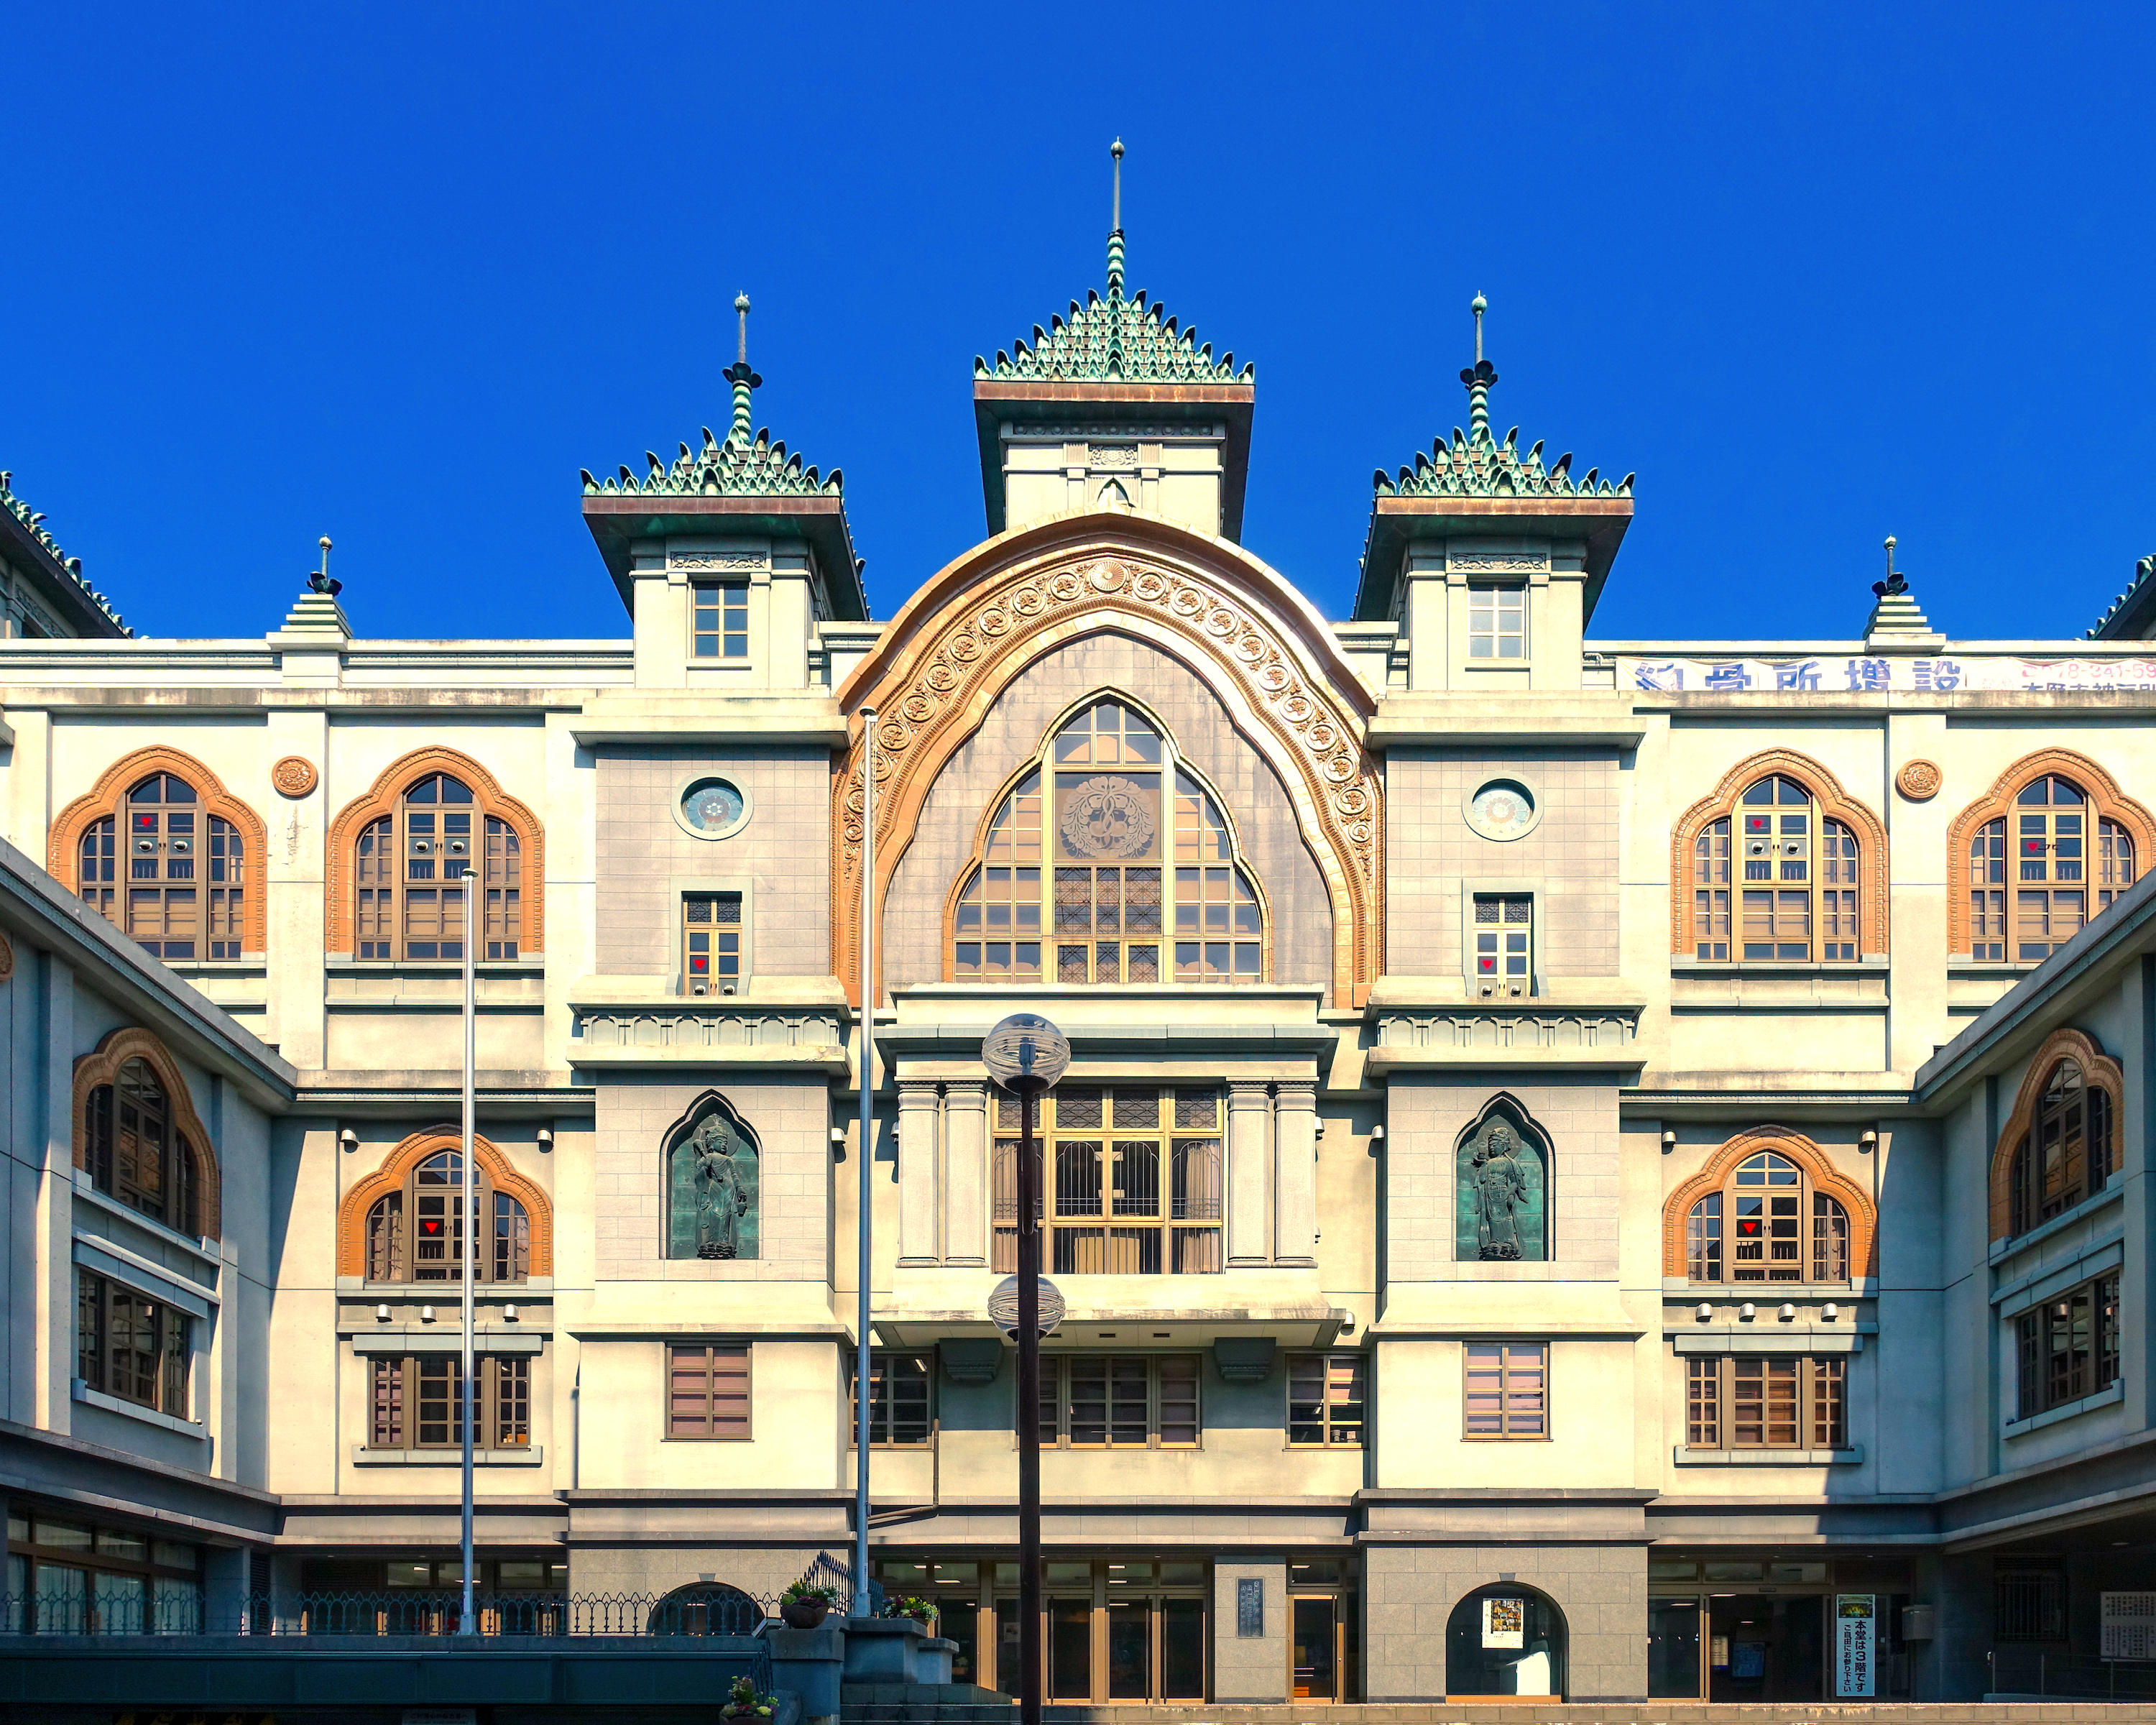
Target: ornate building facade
(1588, 1166)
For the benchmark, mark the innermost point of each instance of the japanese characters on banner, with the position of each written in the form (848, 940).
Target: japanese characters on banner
(1855, 1643)
(1840, 676)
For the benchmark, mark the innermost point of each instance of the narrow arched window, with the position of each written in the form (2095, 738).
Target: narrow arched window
(2067, 1153)
(2056, 883)
(417, 1233)
(410, 868)
(1109, 861)
(1767, 1222)
(167, 871)
(135, 1150)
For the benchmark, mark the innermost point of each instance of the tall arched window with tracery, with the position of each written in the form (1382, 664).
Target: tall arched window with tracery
(1776, 880)
(1767, 1221)
(2037, 875)
(1109, 861)
(415, 1233)
(409, 867)
(167, 870)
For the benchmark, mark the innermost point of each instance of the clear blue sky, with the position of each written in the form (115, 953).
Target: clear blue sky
(395, 273)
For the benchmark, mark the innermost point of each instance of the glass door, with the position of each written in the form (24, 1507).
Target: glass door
(1673, 1649)
(1315, 1651)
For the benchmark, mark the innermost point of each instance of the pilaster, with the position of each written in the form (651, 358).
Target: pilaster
(1294, 1190)
(916, 1171)
(295, 869)
(1248, 1118)
(966, 1173)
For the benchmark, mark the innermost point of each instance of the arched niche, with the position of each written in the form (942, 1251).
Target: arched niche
(1505, 1642)
(1501, 1187)
(713, 1171)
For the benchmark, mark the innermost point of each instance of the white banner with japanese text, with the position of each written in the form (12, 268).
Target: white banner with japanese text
(1937, 674)
(1856, 1619)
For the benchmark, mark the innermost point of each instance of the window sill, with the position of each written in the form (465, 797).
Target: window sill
(538, 1290)
(362, 1456)
(1687, 1456)
(1871, 964)
(2065, 1410)
(109, 1258)
(344, 964)
(2049, 1280)
(1774, 1337)
(196, 1246)
(447, 1336)
(2114, 1189)
(81, 1391)
(1768, 1293)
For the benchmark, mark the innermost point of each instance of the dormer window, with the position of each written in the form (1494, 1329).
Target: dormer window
(722, 621)
(1497, 621)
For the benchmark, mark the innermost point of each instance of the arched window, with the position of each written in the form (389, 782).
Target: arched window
(2055, 881)
(1505, 1642)
(706, 1608)
(166, 870)
(2067, 1154)
(135, 1151)
(415, 1232)
(1112, 856)
(1780, 884)
(407, 861)
(1767, 1222)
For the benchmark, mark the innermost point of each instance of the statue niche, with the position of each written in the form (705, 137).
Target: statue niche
(713, 1208)
(1502, 1186)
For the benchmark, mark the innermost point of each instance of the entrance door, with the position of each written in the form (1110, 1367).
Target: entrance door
(1673, 1649)
(1316, 1649)
(1763, 1649)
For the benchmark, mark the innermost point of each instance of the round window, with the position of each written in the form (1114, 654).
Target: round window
(712, 806)
(1503, 808)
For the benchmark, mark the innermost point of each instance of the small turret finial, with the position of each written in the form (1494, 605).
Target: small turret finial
(1896, 581)
(1479, 307)
(741, 305)
(320, 581)
(743, 380)
(1478, 378)
(1116, 225)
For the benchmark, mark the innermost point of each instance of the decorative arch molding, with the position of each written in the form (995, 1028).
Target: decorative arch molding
(2099, 1068)
(489, 797)
(397, 1167)
(64, 845)
(1835, 803)
(103, 1067)
(2111, 803)
(968, 635)
(1863, 1218)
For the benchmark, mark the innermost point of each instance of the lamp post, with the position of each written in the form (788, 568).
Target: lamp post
(1025, 1055)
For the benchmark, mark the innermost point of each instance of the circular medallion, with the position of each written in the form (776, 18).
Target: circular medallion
(1107, 816)
(1919, 781)
(711, 806)
(1503, 808)
(294, 776)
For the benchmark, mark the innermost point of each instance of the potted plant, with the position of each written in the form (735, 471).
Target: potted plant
(922, 1611)
(743, 1703)
(805, 1605)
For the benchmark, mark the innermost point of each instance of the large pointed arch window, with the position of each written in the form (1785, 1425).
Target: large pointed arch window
(167, 870)
(411, 865)
(1109, 861)
(2036, 875)
(1775, 879)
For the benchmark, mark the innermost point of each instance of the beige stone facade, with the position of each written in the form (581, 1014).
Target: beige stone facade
(1678, 1476)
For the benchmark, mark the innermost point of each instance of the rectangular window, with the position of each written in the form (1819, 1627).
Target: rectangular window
(1758, 1402)
(722, 619)
(900, 1397)
(710, 943)
(2028, 1605)
(1507, 1389)
(707, 1390)
(1496, 622)
(1120, 1401)
(1504, 940)
(417, 1403)
(2069, 1346)
(1324, 1399)
(131, 1346)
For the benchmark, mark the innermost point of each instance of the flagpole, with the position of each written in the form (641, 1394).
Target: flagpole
(865, 1206)
(467, 1623)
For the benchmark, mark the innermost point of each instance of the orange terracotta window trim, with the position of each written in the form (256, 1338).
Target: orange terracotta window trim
(63, 847)
(1835, 803)
(2097, 1069)
(341, 863)
(1863, 1218)
(103, 1067)
(961, 642)
(396, 1168)
(2111, 803)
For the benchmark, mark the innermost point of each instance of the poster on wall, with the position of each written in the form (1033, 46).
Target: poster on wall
(1855, 1618)
(1504, 1623)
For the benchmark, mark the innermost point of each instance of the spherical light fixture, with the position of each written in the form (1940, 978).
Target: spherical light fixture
(1025, 1052)
(1003, 1306)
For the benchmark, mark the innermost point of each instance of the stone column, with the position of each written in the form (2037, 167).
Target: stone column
(965, 1172)
(1294, 1175)
(1249, 1174)
(917, 1171)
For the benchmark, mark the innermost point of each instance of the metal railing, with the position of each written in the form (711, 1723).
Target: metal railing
(2026, 1670)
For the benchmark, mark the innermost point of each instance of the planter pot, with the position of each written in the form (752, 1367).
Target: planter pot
(804, 1613)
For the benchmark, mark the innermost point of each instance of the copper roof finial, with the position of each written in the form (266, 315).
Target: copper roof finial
(741, 378)
(1478, 378)
(1116, 225)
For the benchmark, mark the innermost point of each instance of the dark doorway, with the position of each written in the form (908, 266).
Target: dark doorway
(1673, 1649)
(1317, 1663)
(1766, 1649)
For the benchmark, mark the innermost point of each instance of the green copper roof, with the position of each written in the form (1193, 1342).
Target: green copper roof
(32, 524)
(755, 467)
(1113, 340)
(1479, 466)
(2115, 624)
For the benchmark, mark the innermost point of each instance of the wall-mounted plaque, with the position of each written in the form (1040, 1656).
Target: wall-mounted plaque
(1249, 1607)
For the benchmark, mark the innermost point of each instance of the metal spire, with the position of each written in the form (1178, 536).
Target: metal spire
(742, 378)
(1116, 226)
(1478, 378)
